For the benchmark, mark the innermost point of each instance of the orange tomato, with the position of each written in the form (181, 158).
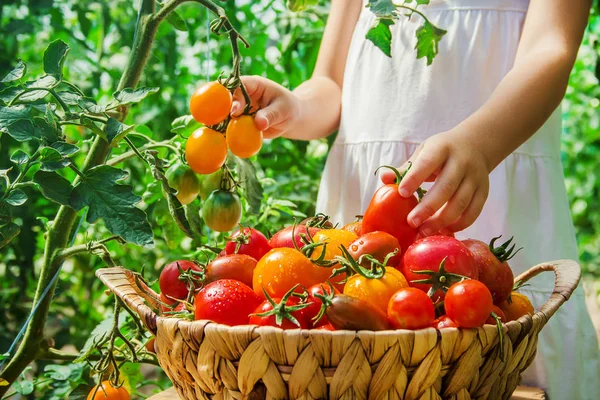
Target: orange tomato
(244, 139)
(206, 151)
(516, 306)
(211, 103)
(282, 268)
(354, 227)
(376, 291)
(334, 238)
(107, 391)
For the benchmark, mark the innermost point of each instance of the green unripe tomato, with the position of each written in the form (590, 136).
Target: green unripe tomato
(222, 211)
(210, 183)
(185, 181)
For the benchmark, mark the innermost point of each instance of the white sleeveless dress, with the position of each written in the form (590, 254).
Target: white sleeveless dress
(391, 105)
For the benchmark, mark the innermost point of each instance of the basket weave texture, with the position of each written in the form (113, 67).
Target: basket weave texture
(205, 360)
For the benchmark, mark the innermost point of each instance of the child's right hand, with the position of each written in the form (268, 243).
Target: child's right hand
(278, 108)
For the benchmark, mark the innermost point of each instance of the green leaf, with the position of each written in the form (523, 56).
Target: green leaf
(19, 157)
(54, 187)
(16, 197)
(382, 8)
(8, 232)
(91, 125)
(84, 23)
(9, 93)
(58, 372)
(47, 131)
(22, 130)
(25, 388)
(99, 331)
(16, 74)
(428, 39)
(175, 20)
(70, 98)
(52, 159)
(130, 96)
(381, 36)
(184, 125)
(300, 5)
(90, 105)
(422, 2)
(54, 57)
(250, 185)
(47, 82)
(116, 130)
(8, 115)
(64, 148)
(113, 203)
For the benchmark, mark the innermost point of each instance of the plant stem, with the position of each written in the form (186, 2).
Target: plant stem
(127, 155)
(57, 355)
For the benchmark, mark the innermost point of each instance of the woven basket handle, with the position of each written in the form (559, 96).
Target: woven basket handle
(568, 274)
(134, 292)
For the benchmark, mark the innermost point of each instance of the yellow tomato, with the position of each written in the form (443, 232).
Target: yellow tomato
(376, 291)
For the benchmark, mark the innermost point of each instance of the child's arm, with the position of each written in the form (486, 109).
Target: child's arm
(311, 111)
(462, 158)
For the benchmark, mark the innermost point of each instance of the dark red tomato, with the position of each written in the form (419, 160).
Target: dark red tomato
(428, 253)
(326, 327)
(494, 273)
(388, 212)
(496, 310)
(170, 284)
(379, 245)
(411, 308)
(283, 238)
(250, 242)
(231, 266)
(226, 301)
(316, 303)
(468, 303)
(444, 322)
(300, 315)
(173, 308)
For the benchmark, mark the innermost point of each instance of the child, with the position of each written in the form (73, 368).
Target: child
(483, 122)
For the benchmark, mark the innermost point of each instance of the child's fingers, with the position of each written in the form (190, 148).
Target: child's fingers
(471, 213)
(424, 165)
(255, 87)
(272, 117)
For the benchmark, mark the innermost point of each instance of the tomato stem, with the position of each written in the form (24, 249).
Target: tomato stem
(281, 310)
(505, 251)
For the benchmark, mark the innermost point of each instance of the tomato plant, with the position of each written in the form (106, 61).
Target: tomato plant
(181, 178)
(175, 283)
(244, 139)
(248, 241)
(239, 267)
(410, 308)
(210, 104)
(226, 301)
(222, 211)
(106, 391)
(468, 303)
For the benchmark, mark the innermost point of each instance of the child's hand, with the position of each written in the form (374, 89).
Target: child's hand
(277, 106)
(461, 174)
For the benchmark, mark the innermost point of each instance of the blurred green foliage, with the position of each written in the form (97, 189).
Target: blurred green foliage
(284, 47)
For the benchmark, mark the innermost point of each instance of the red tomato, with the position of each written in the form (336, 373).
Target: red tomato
(377, 244)
(428, 253)
(106, 391)
(354, 227)
(316, 303)
(410, 308)
(496, 310)
(286, 323)
(468, 303)
(283, 238)
(388, 212)
(493, 271)
(211, 103)
(231, 266)
(170, 284)
(226, 301)
(250, 242)
(444, 322)
(326, 327)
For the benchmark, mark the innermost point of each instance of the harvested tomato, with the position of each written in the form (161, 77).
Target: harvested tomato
(173, 307)
(349, 313)
(320, 221)
(226, 301)
(333, 239)
(106, 391)
(283, 268)
(354, 227)
(231, 266)
(290, 235)
(493, 268)
(468, 303)
(378, 245)
(209, 183)
(444, 322)
(315, 306)
(326, 327)
(244, 139)
(181, 178)
(250, 242)
(428, 253)
(206, 151)
(175, 286)
(496, 310)
(377, 291)
(211, 103)
(284, 313)
(222, 211)
(410, 308)
(516, 306)
(388, 212)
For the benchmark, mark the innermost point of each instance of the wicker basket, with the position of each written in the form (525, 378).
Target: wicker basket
(205, 360)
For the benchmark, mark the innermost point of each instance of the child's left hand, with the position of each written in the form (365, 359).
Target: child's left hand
(460, 171)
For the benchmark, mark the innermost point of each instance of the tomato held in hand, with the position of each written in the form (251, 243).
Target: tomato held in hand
(248, 241)
(239, 267)
(171, 286)
(283, 238)
(468, 303)
(106, 391)
(377, 291)
(181, 178)
(209, 183)
(411, 308)
(244, 139)
(211, 103)
(428, 253)
(444, 322)
(315, 304)
(377, 244)
(222, 211)
(206, 151)
(226, 301)
(516, 306)
(292, 314)
(492, 265)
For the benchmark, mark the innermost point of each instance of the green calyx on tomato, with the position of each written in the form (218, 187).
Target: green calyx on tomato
(222, 210)
(309, 246)
(282, 310)
(320, 221)
(350, 266)
(503, 252)
(439, 280)
(185, 181)
(400, 175)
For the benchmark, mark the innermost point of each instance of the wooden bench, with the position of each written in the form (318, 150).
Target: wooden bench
(522, 393)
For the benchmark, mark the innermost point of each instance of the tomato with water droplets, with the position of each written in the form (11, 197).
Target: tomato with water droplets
(377, 291)
(231, 266)
(227, 302)
(171, 286)
(248, 241)
(292, 234)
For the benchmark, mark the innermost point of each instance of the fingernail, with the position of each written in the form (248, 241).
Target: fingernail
(427, 231)
(416, 221)
(404, 192)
